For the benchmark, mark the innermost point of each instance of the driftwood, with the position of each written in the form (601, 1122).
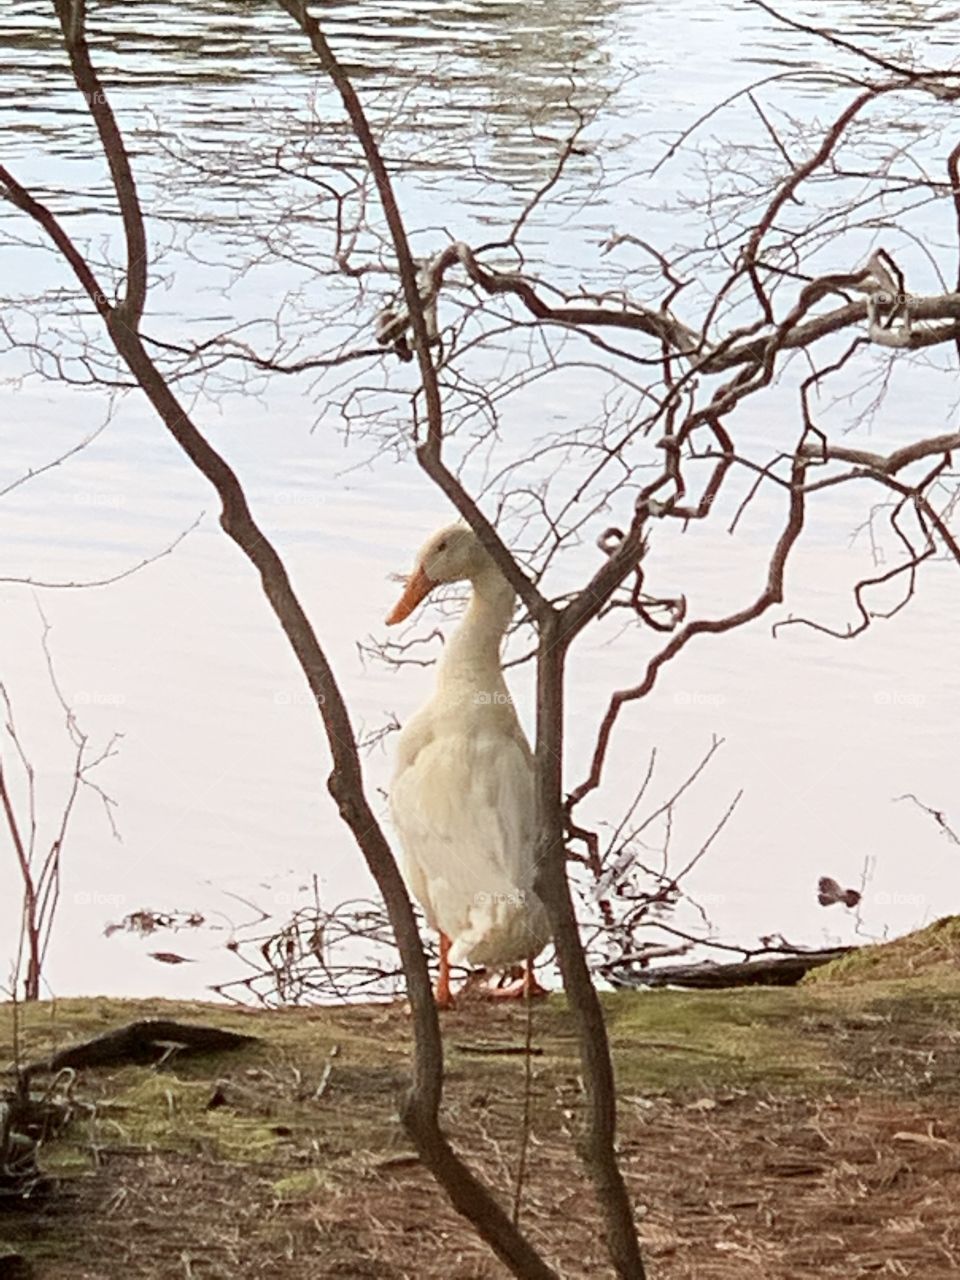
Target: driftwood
(149, 1040)
(13, 1265)
(767, 971)
(24, 1123)
(27, 1120)
(508, 1050)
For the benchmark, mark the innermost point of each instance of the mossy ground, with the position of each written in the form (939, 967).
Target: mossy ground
(765, 1134)
(928, 953)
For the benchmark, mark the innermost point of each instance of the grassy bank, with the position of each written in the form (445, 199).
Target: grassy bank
(766, 1133)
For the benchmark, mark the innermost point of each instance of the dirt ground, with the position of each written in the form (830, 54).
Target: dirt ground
(765, 1134)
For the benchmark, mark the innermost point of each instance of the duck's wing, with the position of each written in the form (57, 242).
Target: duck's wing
(465, 810)
(410, 782)
(504, 805)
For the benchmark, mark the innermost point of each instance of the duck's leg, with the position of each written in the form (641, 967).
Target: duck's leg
(531, 987)
(443, 995)
(524, 988)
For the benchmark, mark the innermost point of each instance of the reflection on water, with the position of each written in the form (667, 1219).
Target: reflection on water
(220, 776)
(210, 66)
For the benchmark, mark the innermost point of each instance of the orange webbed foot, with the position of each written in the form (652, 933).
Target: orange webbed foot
(524, 988)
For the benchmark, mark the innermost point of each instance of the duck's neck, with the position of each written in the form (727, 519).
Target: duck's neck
(472, 654)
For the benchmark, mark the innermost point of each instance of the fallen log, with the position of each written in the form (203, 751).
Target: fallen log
(766, 971)
(13, 1265)
(149, 1040)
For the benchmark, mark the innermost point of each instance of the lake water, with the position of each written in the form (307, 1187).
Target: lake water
(220, 778)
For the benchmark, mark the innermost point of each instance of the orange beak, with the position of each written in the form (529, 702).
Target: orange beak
(418, 588)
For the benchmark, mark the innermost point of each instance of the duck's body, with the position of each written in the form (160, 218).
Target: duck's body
(463, 798)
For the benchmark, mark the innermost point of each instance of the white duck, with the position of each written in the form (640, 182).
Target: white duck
(463, 797)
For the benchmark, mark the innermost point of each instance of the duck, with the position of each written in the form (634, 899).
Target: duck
(463, 795)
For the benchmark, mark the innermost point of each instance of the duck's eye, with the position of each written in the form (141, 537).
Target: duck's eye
(441, 546)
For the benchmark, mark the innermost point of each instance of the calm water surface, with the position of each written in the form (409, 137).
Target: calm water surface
(219, 779)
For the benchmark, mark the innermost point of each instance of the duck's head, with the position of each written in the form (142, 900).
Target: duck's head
(454, 554)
